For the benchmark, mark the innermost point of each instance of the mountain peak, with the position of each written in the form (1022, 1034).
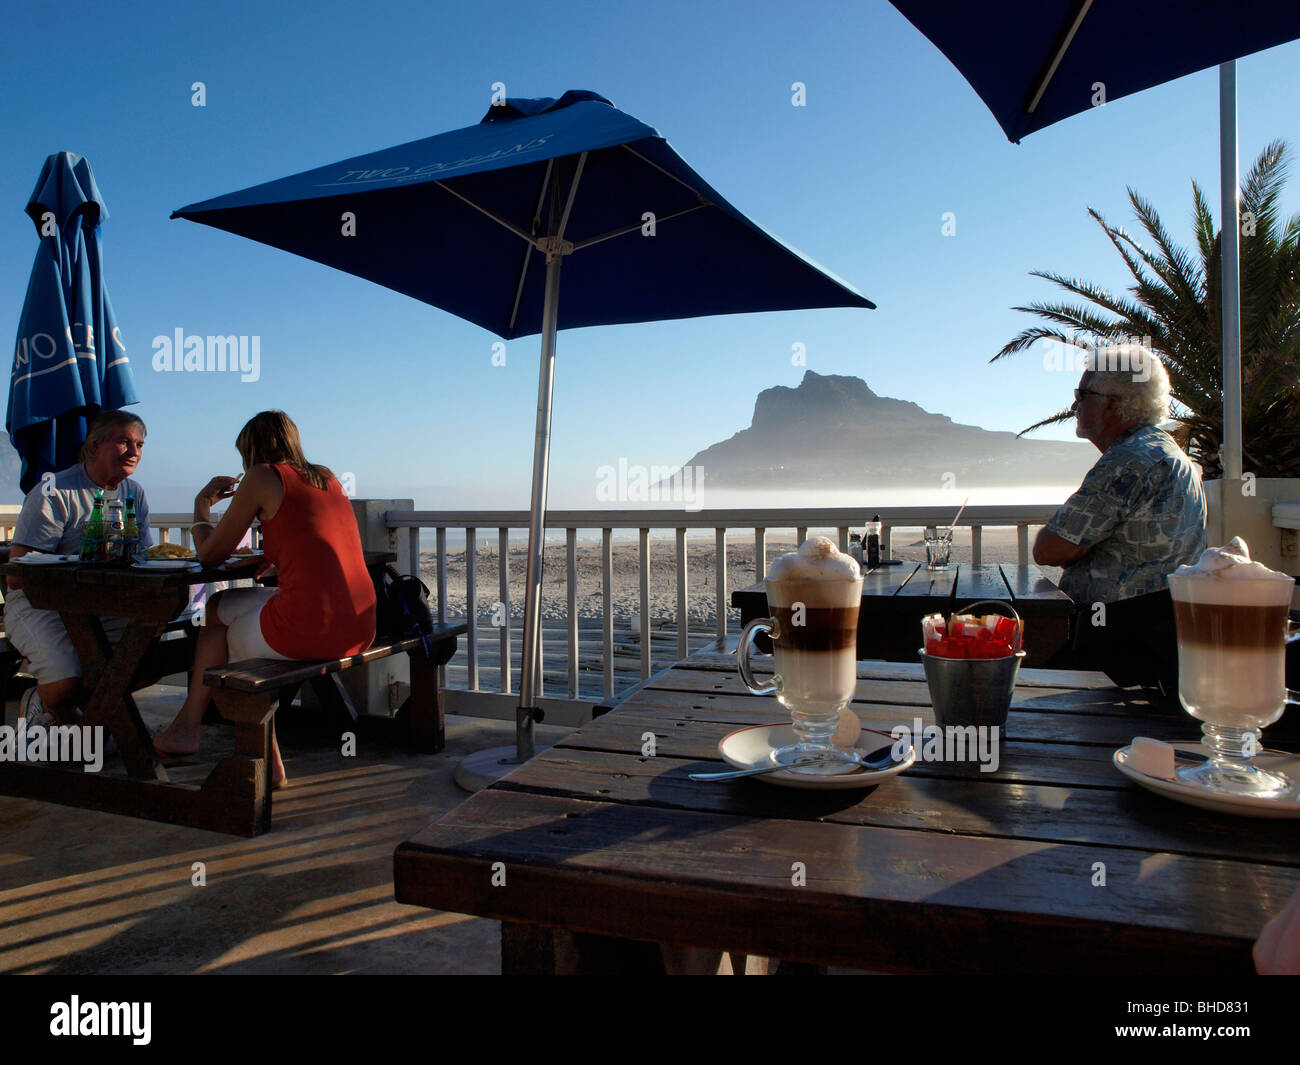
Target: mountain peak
(831, 399)
(832, 430)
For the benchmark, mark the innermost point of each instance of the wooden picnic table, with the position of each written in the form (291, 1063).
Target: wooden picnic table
(1055, 863)
(896, 598)
(235, 797)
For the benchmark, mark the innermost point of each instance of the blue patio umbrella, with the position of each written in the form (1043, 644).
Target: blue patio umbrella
(1036, 62)
(480, 220)
(69, 359)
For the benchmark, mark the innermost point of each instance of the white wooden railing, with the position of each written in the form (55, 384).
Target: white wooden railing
(168, 527)
(747, 524)
(756, 523)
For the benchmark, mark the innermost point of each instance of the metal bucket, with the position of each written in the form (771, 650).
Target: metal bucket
(973, 691)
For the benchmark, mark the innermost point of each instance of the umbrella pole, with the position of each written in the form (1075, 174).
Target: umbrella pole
(530, 675)
(1230, 267)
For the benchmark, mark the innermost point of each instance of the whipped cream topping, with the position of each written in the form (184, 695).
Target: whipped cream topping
(818, 559)
(1230, 562)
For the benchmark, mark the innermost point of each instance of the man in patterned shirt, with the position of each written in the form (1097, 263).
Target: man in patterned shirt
(1139, 514)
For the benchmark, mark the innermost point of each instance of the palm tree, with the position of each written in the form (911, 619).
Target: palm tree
(1175, 302)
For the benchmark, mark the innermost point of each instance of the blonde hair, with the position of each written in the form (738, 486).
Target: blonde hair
(103, 425)
(271, 437)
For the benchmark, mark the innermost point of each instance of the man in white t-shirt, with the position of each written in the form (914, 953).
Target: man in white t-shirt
(53, 520)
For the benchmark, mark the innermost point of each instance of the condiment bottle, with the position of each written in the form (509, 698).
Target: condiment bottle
(873, 541)
(114, 527)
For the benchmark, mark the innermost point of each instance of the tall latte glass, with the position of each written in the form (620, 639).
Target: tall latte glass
(1231, 615)
(814, 595)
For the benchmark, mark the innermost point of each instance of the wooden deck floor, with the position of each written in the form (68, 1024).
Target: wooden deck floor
(84, 892)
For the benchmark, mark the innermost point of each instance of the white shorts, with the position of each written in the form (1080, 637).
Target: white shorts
(41, 637)
(240, 609)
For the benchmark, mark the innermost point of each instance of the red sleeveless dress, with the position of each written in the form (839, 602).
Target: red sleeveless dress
(325, 607)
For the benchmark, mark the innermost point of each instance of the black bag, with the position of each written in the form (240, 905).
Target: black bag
(402, 607)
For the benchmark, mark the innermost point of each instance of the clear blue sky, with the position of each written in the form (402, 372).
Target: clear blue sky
(404, 395)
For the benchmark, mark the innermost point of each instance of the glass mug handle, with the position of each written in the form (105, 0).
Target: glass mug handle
(755, 628)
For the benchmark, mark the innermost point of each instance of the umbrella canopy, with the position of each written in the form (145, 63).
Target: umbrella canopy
(479, 222)
(459, 221)
(1036, 62)
(69, 359)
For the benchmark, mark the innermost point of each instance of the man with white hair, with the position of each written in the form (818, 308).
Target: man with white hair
(1138, 516)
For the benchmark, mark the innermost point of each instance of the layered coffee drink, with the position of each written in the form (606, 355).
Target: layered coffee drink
(1231, 615)
(814, 595)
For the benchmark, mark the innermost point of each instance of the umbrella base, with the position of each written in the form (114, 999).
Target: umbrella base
(477, 771)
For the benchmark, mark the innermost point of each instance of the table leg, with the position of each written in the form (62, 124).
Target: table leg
(109, 672)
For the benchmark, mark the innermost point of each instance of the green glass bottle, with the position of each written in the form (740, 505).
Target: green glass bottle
(93, 537)
(130, 531)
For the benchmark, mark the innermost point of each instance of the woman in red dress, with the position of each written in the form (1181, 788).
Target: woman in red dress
(324, 606)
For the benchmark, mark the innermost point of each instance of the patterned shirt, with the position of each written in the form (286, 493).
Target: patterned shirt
(1140, 511)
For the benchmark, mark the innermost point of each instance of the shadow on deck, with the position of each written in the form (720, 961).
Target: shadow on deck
(85, 892)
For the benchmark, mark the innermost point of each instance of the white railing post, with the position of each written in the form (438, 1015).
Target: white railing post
(720, 581)
(644, 558)
(683, 604)
(503, 589)
(571, 572)
(607, 595)
(471, 604)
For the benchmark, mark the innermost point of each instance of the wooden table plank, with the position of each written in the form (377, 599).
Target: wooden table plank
(927, 798)
(895, 900)
(974, 583)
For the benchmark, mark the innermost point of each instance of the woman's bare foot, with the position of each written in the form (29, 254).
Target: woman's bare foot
(176, 741)
(278, 777)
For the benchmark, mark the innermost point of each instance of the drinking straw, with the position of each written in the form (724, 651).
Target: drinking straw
(953, 527)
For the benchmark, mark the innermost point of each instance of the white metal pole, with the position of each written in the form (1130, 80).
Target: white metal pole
(1231, 273)
(524, 715)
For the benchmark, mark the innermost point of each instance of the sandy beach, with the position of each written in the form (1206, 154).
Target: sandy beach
(999, 546)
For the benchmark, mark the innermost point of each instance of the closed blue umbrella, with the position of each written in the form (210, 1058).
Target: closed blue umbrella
(69, 359)
(1036, 62)
(480, 220)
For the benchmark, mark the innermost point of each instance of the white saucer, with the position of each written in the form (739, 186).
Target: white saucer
(238, 560)
(1285, 805)
(37, 558)
(166, 563)
(749, 748)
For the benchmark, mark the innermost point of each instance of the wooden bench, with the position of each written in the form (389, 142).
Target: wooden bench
(248, 694)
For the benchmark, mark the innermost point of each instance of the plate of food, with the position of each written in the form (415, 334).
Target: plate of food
(166, 563)
(170, 553)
